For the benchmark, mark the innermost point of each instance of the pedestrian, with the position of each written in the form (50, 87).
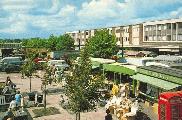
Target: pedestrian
(18, 97)
(7, 80)
(9, 83)
(108, 116)
(22, 103)
(13, 104)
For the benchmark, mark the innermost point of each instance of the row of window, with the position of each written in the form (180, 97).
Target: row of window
(163, 38)
(123, 39)
(163, 26)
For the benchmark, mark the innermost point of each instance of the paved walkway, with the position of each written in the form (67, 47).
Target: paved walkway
(53, 101)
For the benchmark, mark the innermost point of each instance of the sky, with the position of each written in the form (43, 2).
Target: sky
(41, 18)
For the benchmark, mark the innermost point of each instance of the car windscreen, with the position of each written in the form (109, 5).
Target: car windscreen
(11, 60)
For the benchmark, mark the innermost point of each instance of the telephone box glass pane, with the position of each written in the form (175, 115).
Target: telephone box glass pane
(163, 112)
(174, 112)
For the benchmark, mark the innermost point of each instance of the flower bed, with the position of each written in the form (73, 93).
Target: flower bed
(45, 112)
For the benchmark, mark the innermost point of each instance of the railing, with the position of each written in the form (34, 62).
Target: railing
(10, 45)
(2, 100)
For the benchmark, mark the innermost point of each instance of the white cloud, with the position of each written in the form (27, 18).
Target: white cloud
(19, 22)
(17, 5)
(16, 27)
(67, 10)
(113, 12)
(54, 7)
(22, 16)
(55, 21)
(100, 9)
(176, 13)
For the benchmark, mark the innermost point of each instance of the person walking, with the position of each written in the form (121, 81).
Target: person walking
(18, 97)
(9, 83)
(108, 116)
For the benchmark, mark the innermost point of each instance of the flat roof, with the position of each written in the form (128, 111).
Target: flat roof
(155, 81)
(102, 60)
(120, 68)
(164, 70)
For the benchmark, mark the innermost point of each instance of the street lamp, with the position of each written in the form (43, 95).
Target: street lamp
(79, 37)
(121, 43)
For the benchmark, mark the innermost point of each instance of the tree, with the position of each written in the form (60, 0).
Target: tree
(102, 44)
(65, 42)
(52, 42)
(82, 88)
(28, 69)
(45, 80)
(35, 43)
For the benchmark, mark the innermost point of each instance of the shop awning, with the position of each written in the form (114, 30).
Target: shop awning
(119, 68)
(155, 81)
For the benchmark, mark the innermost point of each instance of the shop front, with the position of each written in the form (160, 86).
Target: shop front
(150, 81)
(120, 73)
(97, 64)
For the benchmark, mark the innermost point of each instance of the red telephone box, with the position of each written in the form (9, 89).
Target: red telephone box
(170, 106)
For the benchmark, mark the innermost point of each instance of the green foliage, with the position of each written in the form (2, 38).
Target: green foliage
(46, 112)
(53, 43)
(65, 42)
(2, 85)
(28, 68)
(82, 87)
(103, 44)
(35, 43)
(47, 79)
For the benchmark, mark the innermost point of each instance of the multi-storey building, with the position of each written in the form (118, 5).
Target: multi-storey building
(136, 35)
(165, 35)
(123, 35)
(162, 35)
(80, 37)
(75, 36)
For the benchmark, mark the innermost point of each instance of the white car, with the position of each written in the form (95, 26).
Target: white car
(59, 64)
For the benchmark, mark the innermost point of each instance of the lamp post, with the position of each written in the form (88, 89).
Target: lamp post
(122, 48)
(121, 42)
(79, 37)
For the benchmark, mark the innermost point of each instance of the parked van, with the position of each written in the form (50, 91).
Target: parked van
(9, 64)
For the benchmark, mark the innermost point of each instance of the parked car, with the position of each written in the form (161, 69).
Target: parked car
(59, 64)
(11, 64)
(40, 64)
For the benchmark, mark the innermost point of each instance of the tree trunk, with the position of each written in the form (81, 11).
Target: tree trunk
(45, 93)
(30, 84)
(78, 116)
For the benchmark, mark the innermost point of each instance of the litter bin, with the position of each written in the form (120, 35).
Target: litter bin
(39, 98)
(31, 96)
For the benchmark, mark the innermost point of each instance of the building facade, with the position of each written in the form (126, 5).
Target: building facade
(166, 35)
(162, 35)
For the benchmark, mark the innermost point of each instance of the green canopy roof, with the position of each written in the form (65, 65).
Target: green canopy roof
(118, 68)
(155, 82)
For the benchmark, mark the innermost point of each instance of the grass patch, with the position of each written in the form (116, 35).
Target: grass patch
(45, 112)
